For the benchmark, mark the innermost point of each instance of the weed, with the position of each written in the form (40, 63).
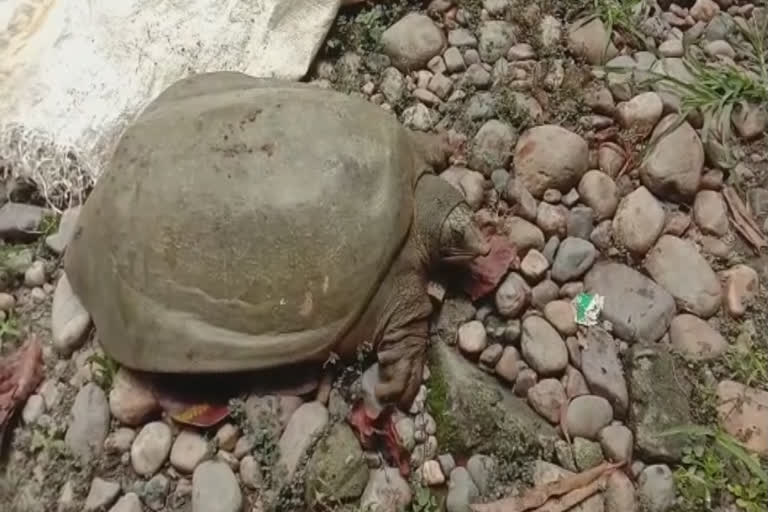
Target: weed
(9, 328)
(623, 16)
(423, 500)
(104, 370)
(747, 365)
(361, 28)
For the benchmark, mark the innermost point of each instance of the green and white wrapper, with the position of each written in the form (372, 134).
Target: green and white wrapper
(587, 307)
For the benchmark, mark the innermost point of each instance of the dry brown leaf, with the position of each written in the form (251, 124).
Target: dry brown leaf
(743, 221)
(574, 497)
(538, 496)
(20, 373)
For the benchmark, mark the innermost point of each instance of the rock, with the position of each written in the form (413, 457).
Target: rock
(638, 308)
(512, 296)
(542, 347)
(711, 213)
(250, 473)
(695, 339)
(704, 10)
(461, 37)
(35, 275)
(472, 338)
(599, 99)
(496, 38)
(508, 364)
(571, 290)
(587, 454)
(602, 236)
(720, 48)
(412, 41)
(521, 51)
(215, 489)
(418, 117)
(603, 370)
(432, 474)
(69, 319)
(741, 287)
(552, 219)
(7, 302)
(677, 223)
(521, 200)
(598, 191)
(743, 413)
(461, 491)
(550, 31)
(337, 469)
(544, 293)
(591, 40)
(131, 400)
(611, 159)
(492, 147)
(405, 429)
(560, 313)
(150, 448)
(20, 221)
(677, 266)
(227, 436)
(659, 402)
(616, 441)
(469, 183)
(619, 493)
(392, 85)
(477, 75)
(750, 120)
(482, 469)
(656, 488)
(550, 156)
(454, 61)
(386, 491)
(90, 422)
(574, 258)
(155, 492)
(189, 450)
(305, 425)
(33, 409)
(574, 383)
(101, 495)
(128, 503)
(639, 221)
(534, 266)
(672, 169)
(441, 85)
(641, 113)
(490, 356)
(120, 440)
(523, 234)
(454, 311)
(547, 397)
(672, 48)
(587, 415)
(58, 241)
(526, 379)
(474, 413)
(551, 249)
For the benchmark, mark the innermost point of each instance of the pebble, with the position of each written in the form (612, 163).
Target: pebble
(131, 400)
(250, 472)
(33, 409)
(550, 156)
(120, 440)
(571, 290)
(550, 249)
(603, 370)
(526, 379)
(305, 424)
(412, 41)
(552, 196)
(386, 491)
(619, 493)
(552, 219)
(677, 266)
(521, 200)
(523, 234)
(545, 473)
(547, 397)
(492, 147)
(482, 469)
(101, 495)
(432, 473)
(460, 37)
(617, 442)
(155, 492)
(188, 450)
(610, 158)
(490, 356)
(542, 347)
(69, 319)
(656, 488)
(512, 296)
(671, 48)
(227, 436)
(392, 85)
(574, 258)
(571, 198)
(639, 221)
(478, 76)
(587, 415)
(406, 430)
(508, 365)
(215, 489)
(704, 10)
(598, 191)
(673, 168)
(454, 61)
(747, 421)
(587, 454)
(695, 339)
(461, 491)
(591, 40)
(20, 221)
(641, 113)
(150, 448)
(677, 223)
(441, 85)
(35, 275)
(750, 120)
(544, 293)
(581, 220)
(741, 286)
(472, 338)
(711, 213)
(495, 40)
(561, 315)
(90, 422)
(719, 48)
(128, 503)
(534, 266)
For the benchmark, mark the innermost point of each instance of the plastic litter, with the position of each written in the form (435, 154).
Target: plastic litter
(588, 307)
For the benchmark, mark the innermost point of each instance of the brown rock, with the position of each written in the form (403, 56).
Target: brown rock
(509, 365)
(711, 213)
(526, 379)
(673, 167)
(611, 158)
(704, 10)
(677, 223)
(472, 338)
(574, 383)
(598, 191)
(743, 413)
(741, 287)
(547, 397)
(552, 219)
(523, 234)
(534, 266)
(639, 221)
(560, 314)
(131, 400)
(521, 201)
(641, 113)
(695, 339)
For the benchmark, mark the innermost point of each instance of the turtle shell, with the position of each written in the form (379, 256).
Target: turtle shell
(242, 224)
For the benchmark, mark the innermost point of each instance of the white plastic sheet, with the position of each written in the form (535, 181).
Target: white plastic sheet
(77, 71)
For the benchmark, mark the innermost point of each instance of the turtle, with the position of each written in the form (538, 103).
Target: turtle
(247, 223)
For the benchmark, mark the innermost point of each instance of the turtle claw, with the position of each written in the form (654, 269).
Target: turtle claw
(400, 375)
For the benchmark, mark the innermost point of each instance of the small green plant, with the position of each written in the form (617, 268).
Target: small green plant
(9, 328)
(623, 16)
(104, 370)
(423, 500)
(748, 365)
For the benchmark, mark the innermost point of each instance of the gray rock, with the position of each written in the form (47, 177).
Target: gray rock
(550, 249)
(150, 448)
(496, 38)
(616, 441)
(337, 469)
(544, 293)
(750, 120)
(678, 267)
(659, 402)
(58, 241)
(574, 258)
(638, 308)
(33, 409)
(250, 472)
(128, 503)
(534, 266)
(492, 146)
(406, 430)
(461, 37)
(711, 213)
(481, 106)
(552, 219)
(656, 488)
(478, 414)
(591, 40)
(482, 469)
(550, 156)
(155, 492)
(587, 454)
(521, 200)
(454, 61)
(478, 76)
(547, 397)
(638, 222)
(620, 493)
(580, 222)
(603, 371)
(512, 296)
(441, 85)
(461, 491)
(392, 85)
(453, 312)
(20, 221)
(90, 422)
(418, 117)
(542, 347)
(305, 425)
(587, 415)
(101, 495)
(188, 450)
(490, 356)
(523, 234)
(695, 339)
(672, 169)
(215, 489)
(69, 319)
(131, 400)
(386, 491)
(641, 113)
(412, 41)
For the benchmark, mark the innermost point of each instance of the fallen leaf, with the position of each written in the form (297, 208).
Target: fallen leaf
(362, 424)
(485, 272)
(20, 374)
(380, 433)
(189, 412)
(574, 497)
(743, 221)
(537, 496)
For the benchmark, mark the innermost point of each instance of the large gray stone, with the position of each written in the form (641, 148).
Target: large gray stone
(215, 489)
(603, 371)
(638, 308)
(412, 41)
(90, 422)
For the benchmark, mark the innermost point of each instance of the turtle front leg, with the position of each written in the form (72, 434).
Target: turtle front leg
(401, 356)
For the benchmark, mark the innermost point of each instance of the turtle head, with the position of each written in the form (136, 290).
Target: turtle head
(445, 224)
